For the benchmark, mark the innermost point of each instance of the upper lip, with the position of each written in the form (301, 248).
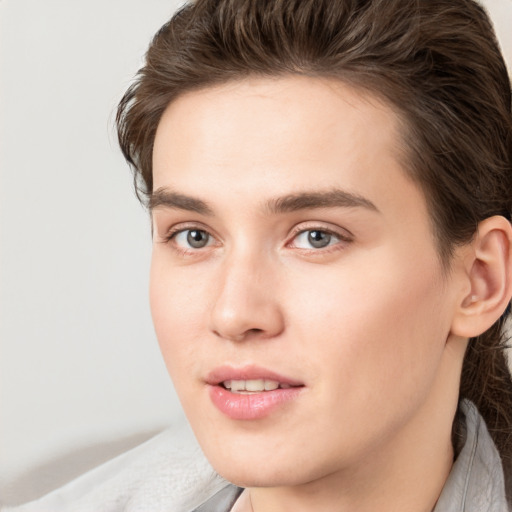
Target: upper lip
(249, 372)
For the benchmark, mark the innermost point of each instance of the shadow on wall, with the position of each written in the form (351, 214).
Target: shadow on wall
(53, 474)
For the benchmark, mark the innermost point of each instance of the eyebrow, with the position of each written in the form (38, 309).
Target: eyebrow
(163, 197)
(333, 198)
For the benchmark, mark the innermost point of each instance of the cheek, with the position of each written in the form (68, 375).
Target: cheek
(377, 330)
(176, 304)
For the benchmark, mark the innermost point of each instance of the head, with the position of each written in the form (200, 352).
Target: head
(431, 72)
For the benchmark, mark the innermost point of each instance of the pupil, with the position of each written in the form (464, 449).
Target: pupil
(197, 238)
(319, 239)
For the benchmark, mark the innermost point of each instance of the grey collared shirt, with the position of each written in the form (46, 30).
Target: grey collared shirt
(475, 483)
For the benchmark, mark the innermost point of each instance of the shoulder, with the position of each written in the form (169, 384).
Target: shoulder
(167, 472)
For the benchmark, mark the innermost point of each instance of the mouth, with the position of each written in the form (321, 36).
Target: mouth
(251, 393)
(250, 379)
(253, 386)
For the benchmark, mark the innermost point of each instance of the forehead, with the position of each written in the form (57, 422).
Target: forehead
(265, 137)
(278, 105)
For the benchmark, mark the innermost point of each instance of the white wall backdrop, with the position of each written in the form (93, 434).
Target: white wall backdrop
(79, 363)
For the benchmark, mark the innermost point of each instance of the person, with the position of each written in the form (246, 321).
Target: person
(329, 183)
(330, 190)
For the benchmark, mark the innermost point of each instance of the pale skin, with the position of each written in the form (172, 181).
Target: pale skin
(367, 320)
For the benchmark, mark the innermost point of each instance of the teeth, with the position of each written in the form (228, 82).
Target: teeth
(270, 385)
(255, 385)
(237, 386)
(252, 386)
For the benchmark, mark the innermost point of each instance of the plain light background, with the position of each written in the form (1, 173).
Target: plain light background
(79, 362)
(81, 376)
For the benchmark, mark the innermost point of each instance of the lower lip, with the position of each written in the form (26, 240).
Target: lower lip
(251, 406)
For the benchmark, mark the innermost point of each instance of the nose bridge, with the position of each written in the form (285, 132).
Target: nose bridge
(245, 302)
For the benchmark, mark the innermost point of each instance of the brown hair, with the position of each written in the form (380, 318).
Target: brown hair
(436, 62)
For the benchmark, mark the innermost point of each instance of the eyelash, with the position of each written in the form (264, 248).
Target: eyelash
(343, 238)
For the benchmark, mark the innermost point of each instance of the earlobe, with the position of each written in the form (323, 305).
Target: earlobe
(489, 276)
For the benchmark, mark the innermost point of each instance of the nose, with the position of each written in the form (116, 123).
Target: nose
(246, 303)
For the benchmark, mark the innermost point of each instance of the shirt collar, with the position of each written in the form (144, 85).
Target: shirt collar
(476, 481)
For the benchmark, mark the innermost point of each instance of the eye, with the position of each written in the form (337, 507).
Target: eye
(315, 238)
(192, 238)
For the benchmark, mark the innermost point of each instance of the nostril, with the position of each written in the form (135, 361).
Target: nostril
(242, 336)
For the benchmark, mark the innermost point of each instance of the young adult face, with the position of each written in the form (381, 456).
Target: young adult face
(291, 248)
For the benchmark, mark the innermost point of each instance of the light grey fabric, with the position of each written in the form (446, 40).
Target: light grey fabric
(223, 501)
(168, 473)
(476, 482)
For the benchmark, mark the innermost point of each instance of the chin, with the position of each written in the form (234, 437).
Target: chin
(261, 468)
(244, 476)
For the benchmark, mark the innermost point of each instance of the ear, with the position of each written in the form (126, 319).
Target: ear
(488, 278)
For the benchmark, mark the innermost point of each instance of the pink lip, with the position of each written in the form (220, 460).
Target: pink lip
(251, 406)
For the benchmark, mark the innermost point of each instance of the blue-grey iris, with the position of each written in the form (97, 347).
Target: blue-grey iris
(319, 239)
(197, 238)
